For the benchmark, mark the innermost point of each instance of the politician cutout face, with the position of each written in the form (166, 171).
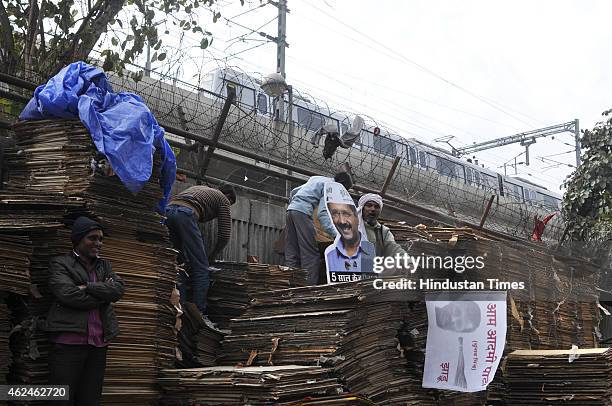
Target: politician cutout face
(351, 255)
(344, 217)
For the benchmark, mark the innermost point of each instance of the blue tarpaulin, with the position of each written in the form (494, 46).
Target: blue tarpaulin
(121, 125)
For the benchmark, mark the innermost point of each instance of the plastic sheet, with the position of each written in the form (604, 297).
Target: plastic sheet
(121, 125)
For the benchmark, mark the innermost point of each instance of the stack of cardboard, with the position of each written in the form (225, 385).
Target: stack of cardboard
(556, 308)
(5, 328)
(199, 343)
(450, 398)
(277, 385)
(404, 232)
(33, 223)
(57, 159)
(15, 253)
(350, 327)
(234, 284)
(344, 399)
(545, 377)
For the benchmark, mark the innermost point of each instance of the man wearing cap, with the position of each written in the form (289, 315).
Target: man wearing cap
(199, 204)
(82, 321)
(301, 250)
(370, 206)
(351, 252)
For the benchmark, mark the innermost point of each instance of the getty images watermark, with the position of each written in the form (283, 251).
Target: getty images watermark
(403, 263)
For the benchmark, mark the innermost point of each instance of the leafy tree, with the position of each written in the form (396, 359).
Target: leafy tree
(587, 204)
(39, 37)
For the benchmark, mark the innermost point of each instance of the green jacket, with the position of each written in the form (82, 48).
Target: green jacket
(70, 311)
(383, 240)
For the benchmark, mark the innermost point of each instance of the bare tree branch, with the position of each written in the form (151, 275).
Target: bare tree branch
(41, 30)
(99, 26)
(93, 26)
(7, 45)
(30, 40)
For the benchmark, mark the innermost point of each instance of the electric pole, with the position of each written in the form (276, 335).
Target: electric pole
(281, 43)
(577, 139)
(281, 37)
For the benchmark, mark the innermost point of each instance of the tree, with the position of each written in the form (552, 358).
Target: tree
(39, 37)
(587, 204)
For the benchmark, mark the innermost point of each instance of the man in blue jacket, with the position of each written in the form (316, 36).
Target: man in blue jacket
(301, 250)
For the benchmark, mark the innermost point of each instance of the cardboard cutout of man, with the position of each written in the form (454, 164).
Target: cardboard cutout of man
(351, 256)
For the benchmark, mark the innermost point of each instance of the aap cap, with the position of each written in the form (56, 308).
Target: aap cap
(336, 193)
(81, 227)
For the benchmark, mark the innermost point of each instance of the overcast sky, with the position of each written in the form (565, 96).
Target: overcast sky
(474, 69)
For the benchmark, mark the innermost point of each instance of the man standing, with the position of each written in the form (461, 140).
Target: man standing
(81, 321)
(370, 206)
(301, 250)
(199, 204)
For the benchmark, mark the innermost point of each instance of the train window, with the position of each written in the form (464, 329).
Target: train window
(384, 145)
(449, 168)
(445, 167)
(555, 203)
(245, 96)
(330, 120)
(412, 155)
(359, 142)
(262, 104)
(488, 181)
(531, 195)
(549, 201)
(470, 177)
(423, 159)
(477, 178)
(309, 119)
(367, 138)
(513, 190)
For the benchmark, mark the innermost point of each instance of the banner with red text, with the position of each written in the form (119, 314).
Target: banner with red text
(465, 339)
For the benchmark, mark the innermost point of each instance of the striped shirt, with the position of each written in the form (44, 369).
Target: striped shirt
(209, 203)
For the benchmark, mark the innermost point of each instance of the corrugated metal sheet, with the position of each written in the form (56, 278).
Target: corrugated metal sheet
(256, 226)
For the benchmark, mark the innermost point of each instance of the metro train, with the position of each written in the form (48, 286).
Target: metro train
(309, 117)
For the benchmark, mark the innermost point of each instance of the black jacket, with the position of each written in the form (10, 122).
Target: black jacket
(70, 311)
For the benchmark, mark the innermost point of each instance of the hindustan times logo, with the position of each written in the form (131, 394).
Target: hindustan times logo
(412, 263)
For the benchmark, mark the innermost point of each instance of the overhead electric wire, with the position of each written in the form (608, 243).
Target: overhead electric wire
(256, 30)
(560, 153)
(402, 92)
(369, 108)
(398, 107)
(421, 67)
(544, 159)
(249, 10)
(415, 111)
(248, 49)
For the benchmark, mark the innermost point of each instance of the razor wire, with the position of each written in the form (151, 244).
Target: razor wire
(196, 108)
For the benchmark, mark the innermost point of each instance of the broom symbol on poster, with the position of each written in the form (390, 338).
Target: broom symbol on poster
(460, 376)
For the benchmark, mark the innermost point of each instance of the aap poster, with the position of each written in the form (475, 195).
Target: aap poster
(465, 339)
(351, 256)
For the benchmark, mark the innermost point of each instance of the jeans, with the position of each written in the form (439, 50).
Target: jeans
(187, 238)
(301, 249)
(82, 368)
